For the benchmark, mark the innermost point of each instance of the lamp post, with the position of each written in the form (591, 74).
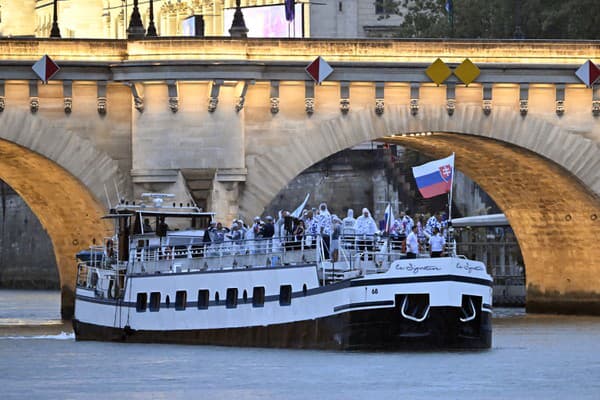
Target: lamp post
(238, 26)
(55, 31)
(136, 28)
(518, 33)
(151, 28)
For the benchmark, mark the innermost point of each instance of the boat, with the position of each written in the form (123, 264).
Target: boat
(169, 285)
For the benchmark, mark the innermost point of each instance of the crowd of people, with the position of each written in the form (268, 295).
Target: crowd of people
(412, 236)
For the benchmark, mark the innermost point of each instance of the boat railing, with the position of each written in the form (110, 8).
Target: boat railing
(366, 253)
(106, 281)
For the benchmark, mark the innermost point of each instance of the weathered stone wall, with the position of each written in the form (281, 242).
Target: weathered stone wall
(26, 255)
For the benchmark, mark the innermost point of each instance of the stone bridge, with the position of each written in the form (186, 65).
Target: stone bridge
(229, 123)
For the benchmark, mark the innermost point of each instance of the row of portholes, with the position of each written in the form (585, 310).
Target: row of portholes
(203, 302)
(593, 217)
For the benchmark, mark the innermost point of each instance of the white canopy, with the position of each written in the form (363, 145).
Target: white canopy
(481, 220)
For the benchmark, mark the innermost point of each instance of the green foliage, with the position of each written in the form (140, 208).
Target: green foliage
(495, 19)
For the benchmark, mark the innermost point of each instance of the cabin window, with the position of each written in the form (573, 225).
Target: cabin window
(203, 299)
(180, 300)
(304, 290)
(217, 298)
(168, 301)
(154, 301)
(258, 296)
(142, 302)
(285, 295)
(232, 297)
(245, 296)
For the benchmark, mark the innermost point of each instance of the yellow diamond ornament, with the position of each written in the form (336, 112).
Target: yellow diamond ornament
(467, 72)
(438, 71)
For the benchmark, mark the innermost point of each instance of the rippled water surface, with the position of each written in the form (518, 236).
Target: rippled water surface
(533, 356)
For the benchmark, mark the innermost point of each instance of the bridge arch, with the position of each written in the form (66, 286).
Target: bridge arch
(545, 179)
(60, 177)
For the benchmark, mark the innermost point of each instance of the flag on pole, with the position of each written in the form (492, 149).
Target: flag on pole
(450, 11)
(290, 12)
(388, 217)
(435, 177)
(298, 211)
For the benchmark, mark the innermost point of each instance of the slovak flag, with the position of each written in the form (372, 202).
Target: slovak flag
(435, 177)
(290, 11)
(388, 217)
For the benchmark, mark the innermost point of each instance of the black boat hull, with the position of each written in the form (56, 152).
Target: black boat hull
(368, 329)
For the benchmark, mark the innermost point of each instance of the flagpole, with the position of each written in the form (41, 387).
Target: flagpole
(450, 194)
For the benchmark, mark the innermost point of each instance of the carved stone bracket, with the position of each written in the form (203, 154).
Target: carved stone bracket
(68, 105)
(173, 93)
(415, 89)
(414, 106)
(213, 98)
(450, 106)
(138, 103)
(102, 104)
(379, 106)
(138, 100)
(34, 104)
(523, 107)
(2, 98)
(560, 107)
(595, 101)
(524, 99)
(34, 100)
(487, 99)
(274, 105)
(344, 106)
(212, 104)
(242, 88)
(309, 105)
(487, 107)
(596, 108)
(68, 96)
(560, 99)
(102, 101)
(309, 97)
(174, 104)
(274, 97)
(239, 105)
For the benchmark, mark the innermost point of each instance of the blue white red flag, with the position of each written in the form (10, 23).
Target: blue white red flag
(290, 12)
(435, 177)
(388, 217)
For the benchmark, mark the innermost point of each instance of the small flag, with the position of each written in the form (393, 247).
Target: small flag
(588, 73)
(290, 11)
(298, 211)
(388, 217)
(319, 70)
(45, 68)
(435, 177)
(450, 10)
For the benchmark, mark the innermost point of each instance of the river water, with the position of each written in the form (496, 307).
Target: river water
(533, 356)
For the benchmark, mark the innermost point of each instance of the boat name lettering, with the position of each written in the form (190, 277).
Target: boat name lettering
(469, 268)
(415, 269)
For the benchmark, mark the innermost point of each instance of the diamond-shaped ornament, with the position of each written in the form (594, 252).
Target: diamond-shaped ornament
(438, 71)
(467, 72)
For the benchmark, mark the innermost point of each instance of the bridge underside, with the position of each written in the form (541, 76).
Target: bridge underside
(65, 208)
(556, 220)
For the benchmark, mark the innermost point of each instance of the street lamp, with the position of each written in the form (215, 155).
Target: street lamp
(151, 28)
(136, 28)
(55, 31)
(238, 26)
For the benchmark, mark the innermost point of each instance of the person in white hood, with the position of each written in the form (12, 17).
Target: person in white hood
(365, 224)
(349, 223)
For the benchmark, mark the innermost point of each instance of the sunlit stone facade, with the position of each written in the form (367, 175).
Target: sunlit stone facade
(110, 18)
